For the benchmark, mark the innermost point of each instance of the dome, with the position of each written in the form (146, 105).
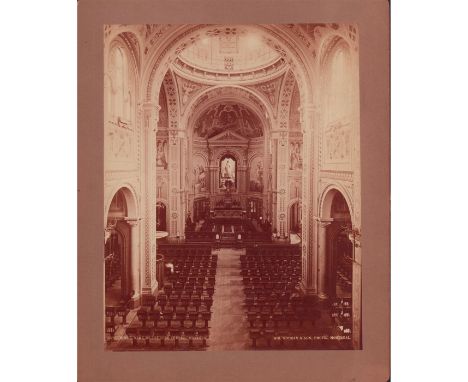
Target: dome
(235, 49)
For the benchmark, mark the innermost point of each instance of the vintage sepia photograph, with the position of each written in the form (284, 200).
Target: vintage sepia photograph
(232, 187)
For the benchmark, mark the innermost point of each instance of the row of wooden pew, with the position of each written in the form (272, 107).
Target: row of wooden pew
(277, 313)
(181, 311)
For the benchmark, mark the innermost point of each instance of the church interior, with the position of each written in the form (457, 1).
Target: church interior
(232, 200)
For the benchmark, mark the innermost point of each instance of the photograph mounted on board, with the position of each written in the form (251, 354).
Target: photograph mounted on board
(232, 187)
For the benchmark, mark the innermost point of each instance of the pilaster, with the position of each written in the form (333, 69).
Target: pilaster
(150, 120)
(309, 124)
(281, 139)
(322, 225)
(134, 260)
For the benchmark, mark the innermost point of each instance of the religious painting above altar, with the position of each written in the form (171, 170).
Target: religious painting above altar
(227, 173)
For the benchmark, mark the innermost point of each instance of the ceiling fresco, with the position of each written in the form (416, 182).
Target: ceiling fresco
(228, 117)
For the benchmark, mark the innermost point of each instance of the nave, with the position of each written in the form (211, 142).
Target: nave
(230, 299)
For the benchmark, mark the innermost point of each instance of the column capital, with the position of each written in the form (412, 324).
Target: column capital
(307, 111)
(132, 222)
(323, 222)
(150, 106)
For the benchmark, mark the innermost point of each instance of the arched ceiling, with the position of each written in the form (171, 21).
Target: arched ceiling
(246, 99)
(229, 49)
(228, 116)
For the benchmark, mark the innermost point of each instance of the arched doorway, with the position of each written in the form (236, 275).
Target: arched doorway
(340, 249)
(121, 258)
(295, 217)
(335, 268)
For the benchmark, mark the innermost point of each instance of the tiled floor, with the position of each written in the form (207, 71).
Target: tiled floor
(228, 325)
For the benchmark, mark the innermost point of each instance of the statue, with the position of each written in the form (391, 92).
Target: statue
(161, 154)
(295, 156)
(199, 178)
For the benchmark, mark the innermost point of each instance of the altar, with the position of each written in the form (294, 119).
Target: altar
(227, 207)
(227, 213)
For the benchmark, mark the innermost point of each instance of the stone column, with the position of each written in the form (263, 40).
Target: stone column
(274, 176)
(357, 294)
(150, 120)
(183, 183)
(306, 203)
(322, 256)
(281, 180)
(174, 183)
(134, 260)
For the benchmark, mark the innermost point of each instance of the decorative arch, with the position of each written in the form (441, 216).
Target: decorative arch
(294, 200)
(286, 93)
(131, 41)
(336, 246)
(220, 93)
(229, 152)
(253, 157)
(295, 215)
(326, 200)
(172, 98)
(163, 120)
(121, 71)
(277, 37)
(130, 199)
(328, 46)
(133, 38)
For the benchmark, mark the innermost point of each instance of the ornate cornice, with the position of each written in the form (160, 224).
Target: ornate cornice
(339, 175)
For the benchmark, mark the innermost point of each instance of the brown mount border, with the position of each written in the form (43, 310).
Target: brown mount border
(370, 364)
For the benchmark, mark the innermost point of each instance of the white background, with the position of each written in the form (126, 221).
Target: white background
(429, 190)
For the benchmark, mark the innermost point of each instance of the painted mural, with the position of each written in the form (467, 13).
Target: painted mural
(200, 176)
(161, 153)
(295, 156)
(228, 117)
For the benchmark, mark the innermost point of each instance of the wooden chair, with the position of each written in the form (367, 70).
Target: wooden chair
(148, 301)
(175, 329)
(201, 330)
(110, 331)
(255, 331)
(189, 331)
(161, 330)
(111, 312)
(146, 334)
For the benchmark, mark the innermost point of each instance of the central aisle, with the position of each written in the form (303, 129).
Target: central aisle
(229, 325)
